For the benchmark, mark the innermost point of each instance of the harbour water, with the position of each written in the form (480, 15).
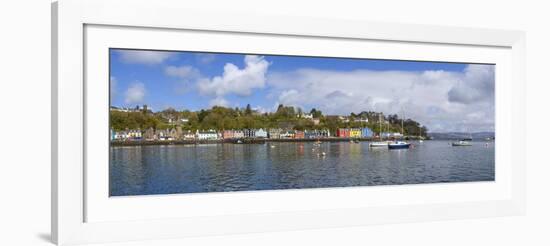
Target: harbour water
(171, 169)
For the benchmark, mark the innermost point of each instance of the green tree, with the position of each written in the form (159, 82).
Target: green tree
(248, 110)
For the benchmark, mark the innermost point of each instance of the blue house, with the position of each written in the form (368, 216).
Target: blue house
(366, 132)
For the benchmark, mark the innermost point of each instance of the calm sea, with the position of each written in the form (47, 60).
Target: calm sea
(168, 169)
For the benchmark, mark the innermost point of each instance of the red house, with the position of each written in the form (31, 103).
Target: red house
(343, 133)
(299, 134)
(228, 134)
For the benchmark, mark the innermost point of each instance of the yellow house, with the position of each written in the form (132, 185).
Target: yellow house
(355, 133)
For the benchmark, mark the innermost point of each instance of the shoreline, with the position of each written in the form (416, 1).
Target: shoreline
(243, 141)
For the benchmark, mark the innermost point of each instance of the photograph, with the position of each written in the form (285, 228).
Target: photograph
(185, 122)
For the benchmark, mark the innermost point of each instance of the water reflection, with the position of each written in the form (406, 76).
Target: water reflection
(238, 167)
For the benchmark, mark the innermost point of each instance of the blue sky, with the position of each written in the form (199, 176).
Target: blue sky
(431, 91)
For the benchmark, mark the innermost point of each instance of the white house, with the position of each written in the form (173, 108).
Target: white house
(121, 135)
(238, 134)
(207, 135)
(188, 135)
(362, 120)
(260, 133)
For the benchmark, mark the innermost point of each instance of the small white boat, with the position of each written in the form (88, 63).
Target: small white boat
(462, 143)
(378, 144)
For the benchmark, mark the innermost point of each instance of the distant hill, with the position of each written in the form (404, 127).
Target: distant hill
(460, 135)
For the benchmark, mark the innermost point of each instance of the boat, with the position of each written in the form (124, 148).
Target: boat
(399, 145)
(463, 142)
(378, 144)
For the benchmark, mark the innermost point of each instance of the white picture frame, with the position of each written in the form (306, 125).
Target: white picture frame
(82, 214)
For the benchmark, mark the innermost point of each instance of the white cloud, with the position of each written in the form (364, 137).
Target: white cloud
(205, 58)
(478, 85)
(135, 93)
(431, 97)
(185, 74)
(113, 87)
(235, 80)
(146, 57)
(182, 72)
(218, 101)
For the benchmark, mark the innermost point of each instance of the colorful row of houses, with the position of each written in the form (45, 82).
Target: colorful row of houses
(354, 133)
(179, 134)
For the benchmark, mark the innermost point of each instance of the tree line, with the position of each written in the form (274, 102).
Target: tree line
(285, 117)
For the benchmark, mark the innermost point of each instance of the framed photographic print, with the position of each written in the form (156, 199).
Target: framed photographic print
(171, 126)
(215, 122)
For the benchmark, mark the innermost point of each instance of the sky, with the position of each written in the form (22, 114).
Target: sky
(442, 96)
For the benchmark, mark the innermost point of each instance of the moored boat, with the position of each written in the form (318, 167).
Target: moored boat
(378, 144)
(399, 145)
(463, 142)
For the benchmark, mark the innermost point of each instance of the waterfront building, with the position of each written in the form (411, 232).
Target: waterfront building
(112, 134)
(362, 120)
(228, 134)
(310, 134)
(274, 133)
(324, 133)
(149, 134)
(344, 119)
(134, 134)
(188, 135)
(249, 133)
(179, 132)
(174, 134)
(316, 121)
(207, 135)
(287, 134)
(130, 110)
(238, 134)
(299, 134)
(366, 132)
(343, 132)
(164, 135)
(260, 133)
(316, 133)
(121, 135)
(355, 133)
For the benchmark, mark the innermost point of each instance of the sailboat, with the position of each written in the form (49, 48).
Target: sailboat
(464, 142)
(399, 144)
(379, 143)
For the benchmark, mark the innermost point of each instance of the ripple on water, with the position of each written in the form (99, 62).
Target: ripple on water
(238, 167)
